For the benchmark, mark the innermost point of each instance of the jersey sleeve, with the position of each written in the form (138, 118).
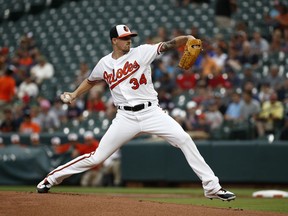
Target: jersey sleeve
(149, 52)
(97, 73)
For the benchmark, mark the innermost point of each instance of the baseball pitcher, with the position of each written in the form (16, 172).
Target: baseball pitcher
(127, 72)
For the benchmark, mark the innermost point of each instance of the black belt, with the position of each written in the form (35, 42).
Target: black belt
(135, 108)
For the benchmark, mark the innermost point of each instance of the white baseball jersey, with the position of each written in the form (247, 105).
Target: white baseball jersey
(129, 77)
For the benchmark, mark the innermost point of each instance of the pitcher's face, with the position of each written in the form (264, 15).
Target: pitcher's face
(124, 44)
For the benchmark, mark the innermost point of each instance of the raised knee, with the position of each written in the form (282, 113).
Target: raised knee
(185, 139)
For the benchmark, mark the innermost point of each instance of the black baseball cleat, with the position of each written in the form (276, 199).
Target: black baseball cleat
(44, 186)
(222, 194)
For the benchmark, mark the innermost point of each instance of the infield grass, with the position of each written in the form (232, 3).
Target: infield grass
(193, 196)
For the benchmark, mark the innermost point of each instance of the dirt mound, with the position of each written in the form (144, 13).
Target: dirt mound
(28, 203)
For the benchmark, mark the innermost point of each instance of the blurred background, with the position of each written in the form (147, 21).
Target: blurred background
(233, 101)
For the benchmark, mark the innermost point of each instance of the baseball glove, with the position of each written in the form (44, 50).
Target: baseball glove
(192, 49)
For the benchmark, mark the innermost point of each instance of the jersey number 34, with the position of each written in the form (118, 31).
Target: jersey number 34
(137, 83)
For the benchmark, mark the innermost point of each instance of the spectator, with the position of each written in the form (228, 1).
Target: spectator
(274, 78)
(27, 43)
(112, 166)
(202, 92)
(282, 92)
(28, 126)
(233, 110)
(42, 70)
(191, 121)
(179, 115)
(168, 84)
(165, 101)
(249, 76)
(47, 118)
(187, 80)
(250, 86)
(182, 3)
(195, 121)
(233, 78)
(221, 101)
(213, 116)
(15, 140)
(7, 87)
(93, 177)
(59, 109)
(4, 58)
(73, 140)
(232, 61)
(55, 143)
(220, 56)
(277, 42)
(259, 45)
(28, 89)
(280, 19)
(95, 103)
(247, 56)
(90, 144)
(240, 40)
(194, 31)
(35, 139)
(217, 80)
(160, 70)
(9, 124)
(74, 112)
(265, 92)
(25, 60)
(270, 117)
(284, 131)
(2, 145)
(68, 147)
(60, 148)
(223, 13)
(249, 107)
(82, 73)
(285, 41)
(208, 65)
(161, 35)
(111, 111)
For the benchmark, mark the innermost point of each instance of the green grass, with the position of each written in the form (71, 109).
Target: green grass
(193, 196)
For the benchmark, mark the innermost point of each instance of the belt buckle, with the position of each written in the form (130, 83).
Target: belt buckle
(138, 107)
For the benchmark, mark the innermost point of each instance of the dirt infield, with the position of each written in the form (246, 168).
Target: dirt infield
(28, 203)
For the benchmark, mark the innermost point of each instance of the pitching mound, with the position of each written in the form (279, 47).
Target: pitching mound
(25, 203)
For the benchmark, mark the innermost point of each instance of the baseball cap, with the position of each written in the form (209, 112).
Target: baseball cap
(88, 135)
(72, 137)
(45, 104)
(191, 104)
(15, 138)
(55, 140)
(120, 31)
(34, 136)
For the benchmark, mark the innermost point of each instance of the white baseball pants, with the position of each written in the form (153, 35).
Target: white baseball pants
(125, 126)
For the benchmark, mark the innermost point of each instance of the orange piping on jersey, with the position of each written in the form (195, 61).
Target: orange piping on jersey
(159, 48)
(73, 162)
(93, 82)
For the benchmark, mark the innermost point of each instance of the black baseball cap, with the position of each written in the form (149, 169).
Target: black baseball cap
(121, 31)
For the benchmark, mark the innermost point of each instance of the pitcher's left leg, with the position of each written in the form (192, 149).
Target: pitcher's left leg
(164, 126)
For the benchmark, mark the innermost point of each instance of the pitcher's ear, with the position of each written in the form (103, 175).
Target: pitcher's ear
(113, 41)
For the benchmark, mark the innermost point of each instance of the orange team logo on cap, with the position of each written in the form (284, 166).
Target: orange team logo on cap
(126, 28)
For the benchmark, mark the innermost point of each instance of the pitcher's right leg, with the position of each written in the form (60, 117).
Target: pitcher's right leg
(122, 129)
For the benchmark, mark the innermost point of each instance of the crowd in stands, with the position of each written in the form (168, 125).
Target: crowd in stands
(228, 85)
